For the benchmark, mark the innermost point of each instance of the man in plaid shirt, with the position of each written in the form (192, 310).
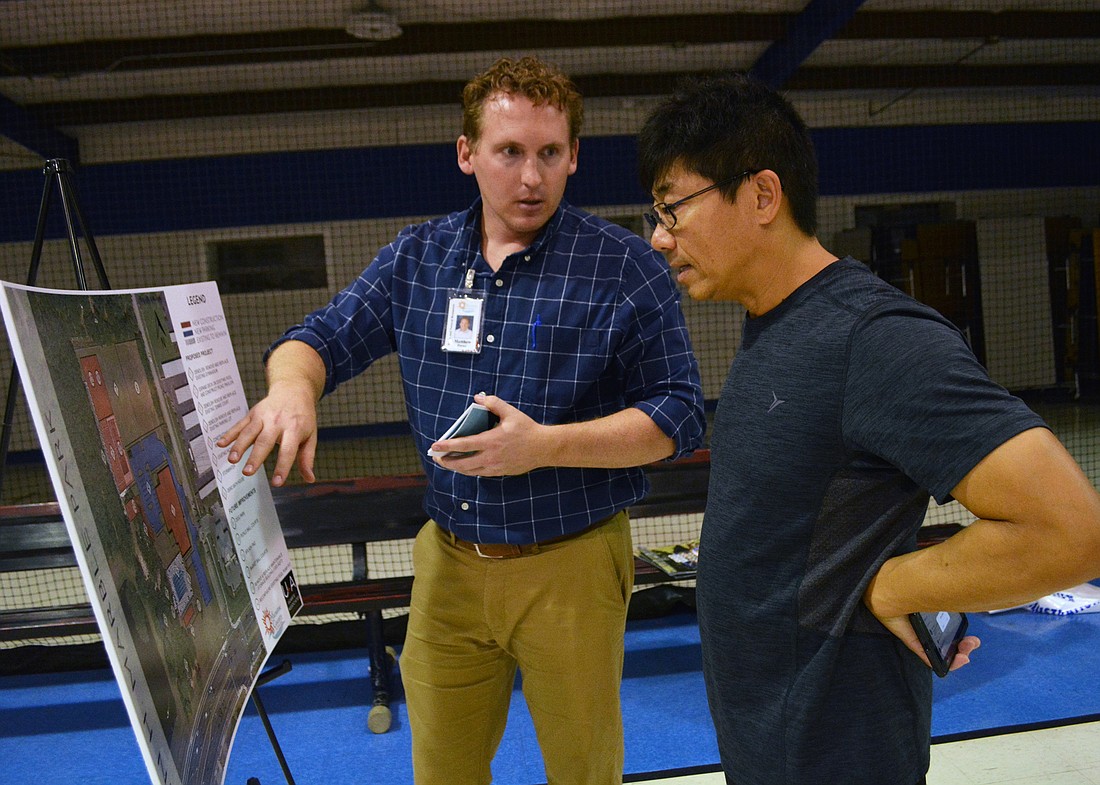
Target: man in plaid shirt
(582, 355)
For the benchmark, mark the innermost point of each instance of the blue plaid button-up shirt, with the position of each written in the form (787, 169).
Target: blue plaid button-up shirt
(583, 323)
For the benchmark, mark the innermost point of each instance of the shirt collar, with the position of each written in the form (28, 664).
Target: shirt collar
(472, 230)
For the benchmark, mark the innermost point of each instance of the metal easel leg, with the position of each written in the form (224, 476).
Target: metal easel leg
(56, 171)
(264, 678)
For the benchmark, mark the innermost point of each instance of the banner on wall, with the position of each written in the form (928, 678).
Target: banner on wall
(182, 555)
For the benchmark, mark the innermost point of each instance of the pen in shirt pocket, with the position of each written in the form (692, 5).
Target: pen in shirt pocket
(534, 336)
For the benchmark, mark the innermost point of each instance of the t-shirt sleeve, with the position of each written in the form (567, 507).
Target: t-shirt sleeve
(917, 397)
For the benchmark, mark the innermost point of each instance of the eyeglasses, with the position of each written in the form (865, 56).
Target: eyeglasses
(662, 213)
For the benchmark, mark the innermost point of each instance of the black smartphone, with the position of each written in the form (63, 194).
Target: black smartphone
(939, 633)
(474, 420)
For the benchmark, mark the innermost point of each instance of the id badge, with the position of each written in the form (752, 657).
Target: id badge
(462, 326)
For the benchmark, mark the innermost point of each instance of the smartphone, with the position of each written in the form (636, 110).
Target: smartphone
(474, 420)
(939, 633)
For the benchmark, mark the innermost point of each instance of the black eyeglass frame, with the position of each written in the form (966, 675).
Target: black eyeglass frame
(653, 217)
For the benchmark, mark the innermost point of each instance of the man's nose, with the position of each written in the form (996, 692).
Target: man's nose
(531, 174)
(661, 239)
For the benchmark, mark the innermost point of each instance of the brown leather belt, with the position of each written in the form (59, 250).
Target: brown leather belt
(504, 550)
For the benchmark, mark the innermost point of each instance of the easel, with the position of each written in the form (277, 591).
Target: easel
(57, 172)
(264, 678)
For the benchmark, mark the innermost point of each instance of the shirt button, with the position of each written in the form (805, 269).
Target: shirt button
(527, 258)
(500, 283)
(465, 505)
(489, 338)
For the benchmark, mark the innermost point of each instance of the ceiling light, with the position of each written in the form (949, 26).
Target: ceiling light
(372, 24)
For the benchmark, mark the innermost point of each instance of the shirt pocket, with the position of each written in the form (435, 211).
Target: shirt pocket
(562, 372)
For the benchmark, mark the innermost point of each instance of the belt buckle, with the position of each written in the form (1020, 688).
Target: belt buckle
(477, 549)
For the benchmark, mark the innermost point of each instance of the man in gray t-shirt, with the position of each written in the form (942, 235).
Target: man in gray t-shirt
(847, 406)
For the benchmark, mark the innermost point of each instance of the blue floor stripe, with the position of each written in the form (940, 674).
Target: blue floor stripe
(1031, 671)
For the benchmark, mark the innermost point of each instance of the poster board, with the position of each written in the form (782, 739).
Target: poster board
(182, 555)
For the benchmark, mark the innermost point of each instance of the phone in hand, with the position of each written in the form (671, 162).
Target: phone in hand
(474, 420)
(939, 633)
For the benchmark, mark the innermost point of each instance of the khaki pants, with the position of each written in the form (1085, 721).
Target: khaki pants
(559, 615)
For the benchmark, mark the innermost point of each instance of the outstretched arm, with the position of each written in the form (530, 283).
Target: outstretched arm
(287, 416)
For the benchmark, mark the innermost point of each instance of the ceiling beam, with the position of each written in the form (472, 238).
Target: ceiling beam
(110, 56)
(818, 22)
(319, 44)
(26, 129)
(1018, 25)
(316, 99)
(950, 77)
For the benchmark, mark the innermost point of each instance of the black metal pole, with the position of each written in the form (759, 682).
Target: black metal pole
(64, 172)
(57, 173)
(32, 276)
(59, 169)
(265, 677)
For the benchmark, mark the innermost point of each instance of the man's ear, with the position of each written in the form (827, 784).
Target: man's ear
(576, 146)
(768, 193)
(465, 151)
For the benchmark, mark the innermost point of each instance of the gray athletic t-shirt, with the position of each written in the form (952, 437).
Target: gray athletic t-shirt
(845, 407)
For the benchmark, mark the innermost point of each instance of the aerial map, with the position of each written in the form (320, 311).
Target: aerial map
(181, 554)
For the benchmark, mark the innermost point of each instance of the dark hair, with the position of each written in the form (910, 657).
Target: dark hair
(717, 126)
(528, 76)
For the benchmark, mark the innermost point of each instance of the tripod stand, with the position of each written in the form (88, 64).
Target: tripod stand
(57, 172)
